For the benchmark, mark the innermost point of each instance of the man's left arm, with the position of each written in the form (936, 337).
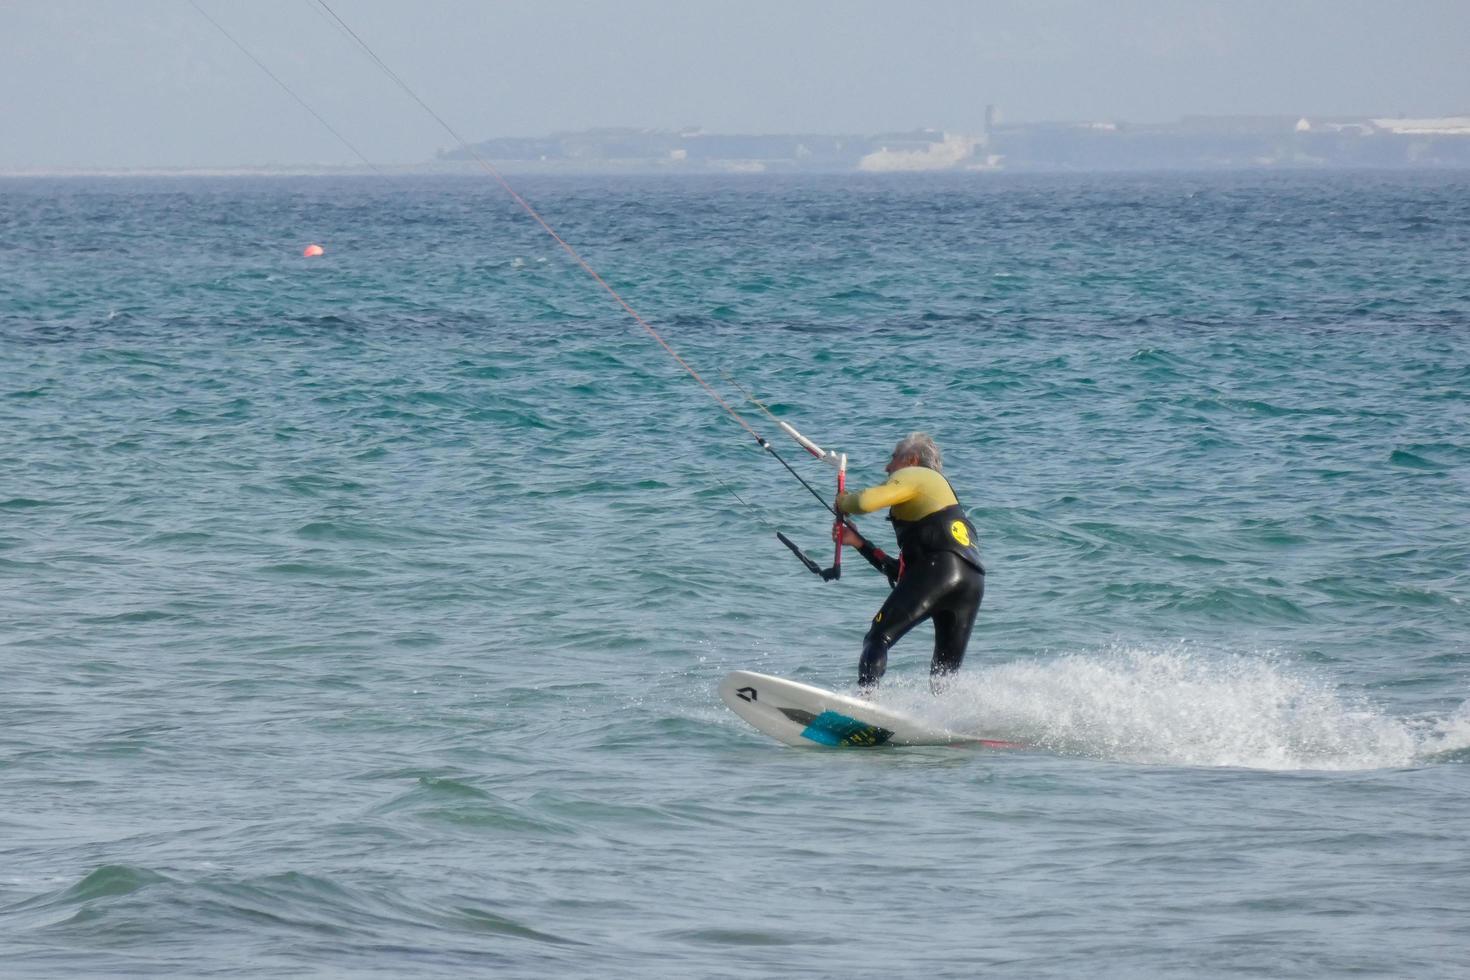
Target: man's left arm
(876, 498)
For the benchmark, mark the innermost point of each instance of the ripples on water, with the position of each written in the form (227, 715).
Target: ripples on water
(363, 615)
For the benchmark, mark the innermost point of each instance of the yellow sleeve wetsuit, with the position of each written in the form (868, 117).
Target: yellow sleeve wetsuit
(913, 492)
(938, 576)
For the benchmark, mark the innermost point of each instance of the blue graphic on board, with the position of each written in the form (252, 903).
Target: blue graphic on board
(831, 728)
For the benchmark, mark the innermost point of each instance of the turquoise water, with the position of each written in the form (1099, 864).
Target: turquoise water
(362, 615)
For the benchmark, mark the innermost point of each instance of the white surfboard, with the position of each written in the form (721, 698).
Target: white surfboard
(799, 714)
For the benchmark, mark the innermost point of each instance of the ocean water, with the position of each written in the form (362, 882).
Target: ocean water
(362, 615)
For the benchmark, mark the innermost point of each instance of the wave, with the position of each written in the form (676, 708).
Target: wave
(1185, 708)
(124, 905)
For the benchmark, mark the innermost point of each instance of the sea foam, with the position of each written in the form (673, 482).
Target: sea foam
(1188, 708)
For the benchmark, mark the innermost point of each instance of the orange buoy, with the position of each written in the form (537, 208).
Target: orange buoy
(312, 251)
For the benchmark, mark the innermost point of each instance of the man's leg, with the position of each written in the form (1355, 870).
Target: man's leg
(908, 605)
(952, 626)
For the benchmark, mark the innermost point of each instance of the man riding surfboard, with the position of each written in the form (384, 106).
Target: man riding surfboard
(938, 574)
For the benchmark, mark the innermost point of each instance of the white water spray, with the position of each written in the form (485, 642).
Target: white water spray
(1182, 707)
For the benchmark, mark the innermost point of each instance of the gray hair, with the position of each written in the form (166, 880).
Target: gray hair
(921, 444)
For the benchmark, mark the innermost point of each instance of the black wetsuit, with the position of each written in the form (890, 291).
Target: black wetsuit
(939, 577)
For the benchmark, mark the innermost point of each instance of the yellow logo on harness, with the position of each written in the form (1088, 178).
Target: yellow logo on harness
(960, 532)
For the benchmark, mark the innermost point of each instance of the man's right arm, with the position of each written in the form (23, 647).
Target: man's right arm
(880, 560)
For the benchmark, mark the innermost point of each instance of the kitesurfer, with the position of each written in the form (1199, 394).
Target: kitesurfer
(937, 575)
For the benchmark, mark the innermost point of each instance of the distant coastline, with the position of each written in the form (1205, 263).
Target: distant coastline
(1193, 143)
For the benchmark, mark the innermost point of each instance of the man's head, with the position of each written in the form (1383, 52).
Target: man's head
(916, 449)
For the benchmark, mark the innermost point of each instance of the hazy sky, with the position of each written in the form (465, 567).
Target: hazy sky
(136, 83)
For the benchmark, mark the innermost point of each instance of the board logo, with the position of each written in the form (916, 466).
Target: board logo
(746, 694)
(960, 532)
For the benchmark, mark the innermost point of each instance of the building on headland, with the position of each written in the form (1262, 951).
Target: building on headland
(1189, 143)
(924, 150)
